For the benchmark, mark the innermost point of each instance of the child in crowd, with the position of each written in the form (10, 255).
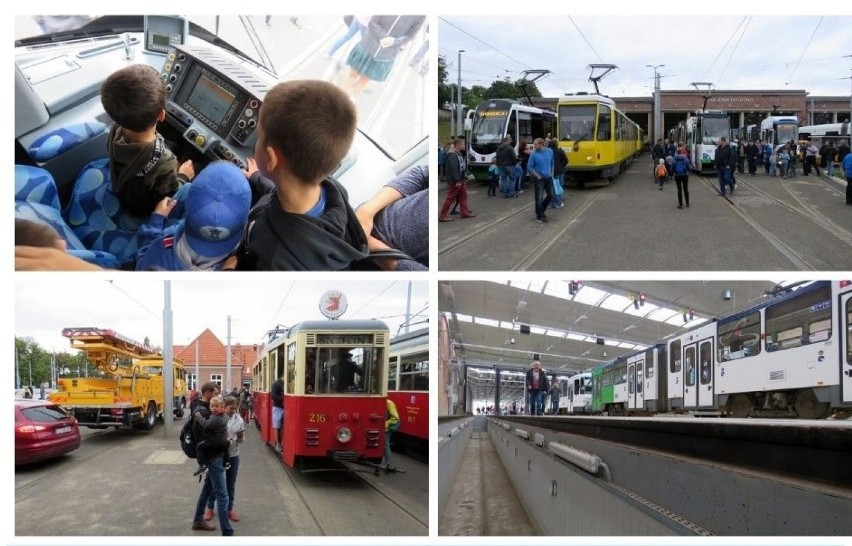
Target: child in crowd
(493, 178)
(217, 207)
(661, 173)
(236, 431)
(142, 168)
(215, 441)
(305, 129)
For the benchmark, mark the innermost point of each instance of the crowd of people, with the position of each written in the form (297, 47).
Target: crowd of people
(541, 164)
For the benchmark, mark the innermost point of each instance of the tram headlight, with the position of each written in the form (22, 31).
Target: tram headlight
(343, 434)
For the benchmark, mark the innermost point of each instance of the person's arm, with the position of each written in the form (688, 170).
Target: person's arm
(259, 184)
(31, 258)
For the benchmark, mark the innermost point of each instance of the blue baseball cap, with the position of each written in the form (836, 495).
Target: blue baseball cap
(217, 207)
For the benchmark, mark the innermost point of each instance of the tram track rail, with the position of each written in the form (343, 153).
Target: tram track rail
(802, 209)
(349, 489)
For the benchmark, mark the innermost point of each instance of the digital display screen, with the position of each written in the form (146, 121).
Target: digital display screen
(160, 40)
(210, 99)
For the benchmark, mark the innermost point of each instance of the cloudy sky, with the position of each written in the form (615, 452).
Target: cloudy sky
(745, 52)
(133, 307)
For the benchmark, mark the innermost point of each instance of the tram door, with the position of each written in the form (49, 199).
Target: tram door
(846, 346)
(705, 373)
(690, 392)
(698, 374)
(635, 385)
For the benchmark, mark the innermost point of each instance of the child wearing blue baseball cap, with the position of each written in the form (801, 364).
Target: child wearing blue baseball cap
(217, 206)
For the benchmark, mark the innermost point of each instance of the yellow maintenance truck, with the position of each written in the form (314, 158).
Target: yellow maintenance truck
(132, 389)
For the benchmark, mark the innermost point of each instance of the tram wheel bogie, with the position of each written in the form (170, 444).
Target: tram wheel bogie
(808, 405)
(740, 406)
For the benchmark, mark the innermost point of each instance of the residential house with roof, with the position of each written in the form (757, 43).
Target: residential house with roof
(211, 355)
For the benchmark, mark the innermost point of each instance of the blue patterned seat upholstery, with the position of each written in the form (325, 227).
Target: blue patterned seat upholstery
(36, 199)
(96, 217)
(61, 140)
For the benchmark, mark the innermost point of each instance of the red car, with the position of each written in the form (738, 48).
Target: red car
(43, 430)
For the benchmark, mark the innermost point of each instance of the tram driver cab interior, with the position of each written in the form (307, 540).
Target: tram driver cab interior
(213, 96)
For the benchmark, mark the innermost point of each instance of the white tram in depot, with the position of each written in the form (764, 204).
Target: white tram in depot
(790, 355)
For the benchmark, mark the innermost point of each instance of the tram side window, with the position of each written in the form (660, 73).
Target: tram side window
(604, 122)
(310, 370)
(649, 363)
(414, 375)
(640, 377)
(674, 357)
(849, 331)
(630, 381)
(689, 358)
(739, 338)
(799, 321)
(512, 129)
(705, 354)
(392, 373)
(525, 127)
(621, 374)
(289, 364)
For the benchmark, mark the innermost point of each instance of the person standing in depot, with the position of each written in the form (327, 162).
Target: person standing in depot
(847, 171)
(391, 426)
(723, 160)
(540, 169)
(681, 176)
(214, 481)
(506, 161)
(536, 387)
(236, 431)
(276, 393)
(455, 173)
(555, 392)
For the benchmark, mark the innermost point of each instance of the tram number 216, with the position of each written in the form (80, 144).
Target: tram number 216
(317, 418)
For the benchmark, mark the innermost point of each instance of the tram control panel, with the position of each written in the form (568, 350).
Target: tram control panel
(214, 101)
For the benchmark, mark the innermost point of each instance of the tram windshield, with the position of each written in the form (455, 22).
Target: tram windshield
(786, 132)
(350, 370)
(287, 47)
(715, 128)
(489, 128)
(576, 122)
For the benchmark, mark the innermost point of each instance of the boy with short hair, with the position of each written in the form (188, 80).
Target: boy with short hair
(142, 168)
(217, 206)
(38, 234)
(304, 131)
(214, 442)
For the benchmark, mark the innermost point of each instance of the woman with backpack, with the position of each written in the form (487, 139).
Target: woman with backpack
(681, 175)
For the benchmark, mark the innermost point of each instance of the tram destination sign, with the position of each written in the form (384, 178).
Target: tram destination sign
(345, 339)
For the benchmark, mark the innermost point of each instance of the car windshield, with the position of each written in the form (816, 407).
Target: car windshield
(389, 102)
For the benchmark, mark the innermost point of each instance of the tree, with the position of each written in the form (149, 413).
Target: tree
(444, 91)
(506, 89)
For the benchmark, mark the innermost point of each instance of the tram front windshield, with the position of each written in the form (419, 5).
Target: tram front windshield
(576, 122)
(715, 128)
(489, 127)
(786, 133)
(349, 370)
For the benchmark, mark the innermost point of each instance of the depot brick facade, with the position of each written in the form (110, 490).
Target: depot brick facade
(744, 107)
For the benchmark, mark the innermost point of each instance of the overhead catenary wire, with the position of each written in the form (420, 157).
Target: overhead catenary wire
(734, 50)
(716, 58)
(805, 50)
(134, 300)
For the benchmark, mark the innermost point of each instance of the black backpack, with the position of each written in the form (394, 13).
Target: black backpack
(188, 442)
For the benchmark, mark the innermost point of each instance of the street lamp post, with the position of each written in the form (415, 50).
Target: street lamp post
(459, 124)
(658, 120)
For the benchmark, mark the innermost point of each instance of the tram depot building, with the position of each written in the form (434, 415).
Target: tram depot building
(743, 107)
